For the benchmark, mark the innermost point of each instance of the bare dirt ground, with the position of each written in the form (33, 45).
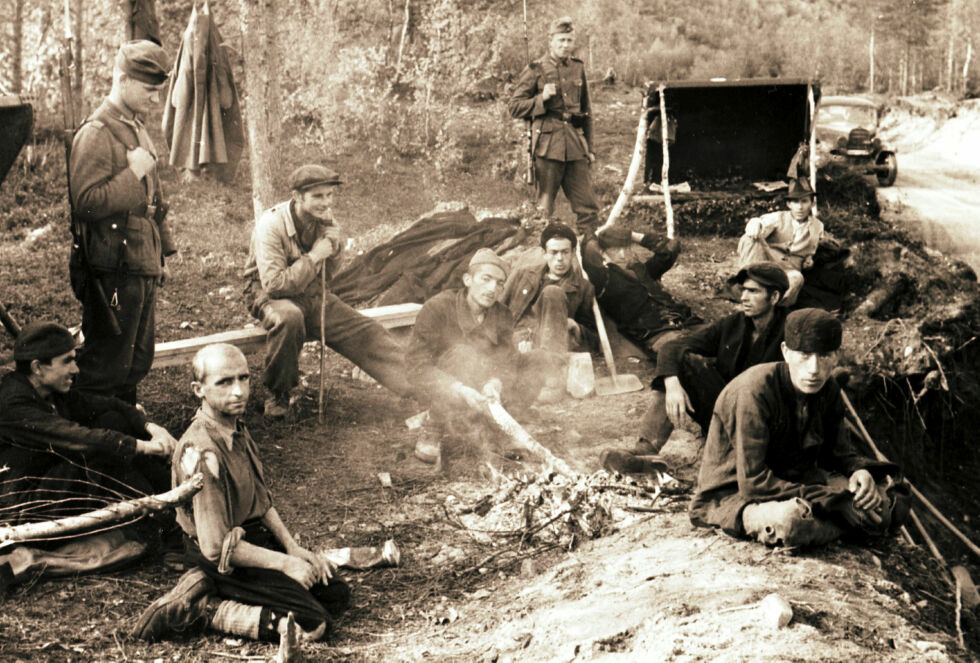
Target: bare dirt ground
(653, 589)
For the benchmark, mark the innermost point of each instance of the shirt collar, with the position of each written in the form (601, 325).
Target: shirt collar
(468, 323)
(118, 113)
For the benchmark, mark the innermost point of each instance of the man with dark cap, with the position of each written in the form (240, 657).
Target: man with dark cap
(553, 94)
(789, 238)
(292, 243)
(462, 352)
(552, 302)
(120, 239)
(625, 268)
(778, 465)
(694, 367)
(66, 451)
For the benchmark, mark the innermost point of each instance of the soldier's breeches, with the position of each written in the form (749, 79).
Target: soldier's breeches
(575, 179)
(114, 365)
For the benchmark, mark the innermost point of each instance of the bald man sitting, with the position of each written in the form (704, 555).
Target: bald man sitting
(248, 571)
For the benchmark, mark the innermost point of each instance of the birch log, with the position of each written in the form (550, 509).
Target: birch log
(639, 151)
(522, 438)
(665, 169)
(12, 534)
(812, 105)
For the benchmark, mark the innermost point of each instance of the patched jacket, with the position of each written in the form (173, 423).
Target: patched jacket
(767, 441)
(525, 284)
(109, 199)
(562, 125)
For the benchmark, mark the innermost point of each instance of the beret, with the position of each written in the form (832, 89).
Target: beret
(561, 26)
(42, 340)
(488, 257)
(144, 61)
(766, 273)
(799, 188)
(615, 236)
(311, 175)
(559, 231)
(812, 330)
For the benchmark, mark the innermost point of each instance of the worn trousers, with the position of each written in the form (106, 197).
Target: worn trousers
(575, 179)
(702, 382)
(110, 364)
(546, 322)
(751, 249)
(365, 342)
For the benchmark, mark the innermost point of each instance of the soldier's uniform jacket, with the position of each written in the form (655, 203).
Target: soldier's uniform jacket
(562, 125)
(107, 197)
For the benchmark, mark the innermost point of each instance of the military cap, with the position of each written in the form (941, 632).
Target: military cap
(42, 340)
(488, 257)
(311, 175)
(765, 273)
(559, 231)
(144, 61)
(561, 26)
(799, 188)
(614, 237)
(812, 330)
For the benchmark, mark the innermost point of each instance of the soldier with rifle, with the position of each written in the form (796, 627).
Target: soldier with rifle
(553, 94)
(120, 239)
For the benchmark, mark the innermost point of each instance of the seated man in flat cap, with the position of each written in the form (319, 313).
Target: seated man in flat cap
(552, 302)
(778, 465)
(628, 287)
(120, 239)
(553, 95)
(789, 238)
(248, 572)
(67, 451)
(291, 244)
(462, 352)
(694, 367)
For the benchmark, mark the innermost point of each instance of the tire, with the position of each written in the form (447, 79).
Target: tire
(889, 160)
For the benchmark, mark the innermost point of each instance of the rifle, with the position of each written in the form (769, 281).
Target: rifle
(529, 178)
(79, 232)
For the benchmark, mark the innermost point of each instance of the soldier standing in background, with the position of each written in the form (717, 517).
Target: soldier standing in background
(553, 94)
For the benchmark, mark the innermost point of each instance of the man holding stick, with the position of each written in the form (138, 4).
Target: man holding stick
(291, 244)
(553, 94)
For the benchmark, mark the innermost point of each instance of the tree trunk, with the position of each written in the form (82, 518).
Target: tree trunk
(871, 62)
(262, 95)
(949, 50)
(18, 47)
(966, 63)
(76, 82)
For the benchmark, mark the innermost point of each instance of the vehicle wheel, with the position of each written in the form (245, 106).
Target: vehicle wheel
(887, 177)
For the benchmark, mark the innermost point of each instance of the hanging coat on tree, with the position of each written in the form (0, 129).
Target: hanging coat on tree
(202, 119)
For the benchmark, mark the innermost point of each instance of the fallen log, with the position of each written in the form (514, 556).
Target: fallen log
(13, 534)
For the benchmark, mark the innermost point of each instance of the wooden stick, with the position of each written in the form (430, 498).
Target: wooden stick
(812, 104)
(665, 168)
(321, 414)
(925, 537)
(915, 491)
(12, 534)
(516, 432)
(639, 150)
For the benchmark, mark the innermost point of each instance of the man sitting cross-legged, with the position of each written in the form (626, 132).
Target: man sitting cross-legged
(552, 302)
(687, 384)
(249, 573)
(778, 465)
(462, 349)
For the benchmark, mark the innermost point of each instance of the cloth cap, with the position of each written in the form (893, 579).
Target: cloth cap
(615, 236)
(311, 175)
(766, 273)
(812, 330)
(798, 189)
(559, 231)
(144, 61)
(42, 340)
(488, 257)
(561, 26)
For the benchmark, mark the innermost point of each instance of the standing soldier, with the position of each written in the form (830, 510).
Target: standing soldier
(120, 241)
(553, 94)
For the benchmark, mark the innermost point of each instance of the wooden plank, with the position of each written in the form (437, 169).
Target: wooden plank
(252, 339)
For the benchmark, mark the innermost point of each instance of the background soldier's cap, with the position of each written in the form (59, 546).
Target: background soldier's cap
(766, 273)
(798, 189)
(42, 340)
(561, 26)
(614, 237)
(559, 231)
(144, 61)
(488, 257)
(311, 175)
(812, 330)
